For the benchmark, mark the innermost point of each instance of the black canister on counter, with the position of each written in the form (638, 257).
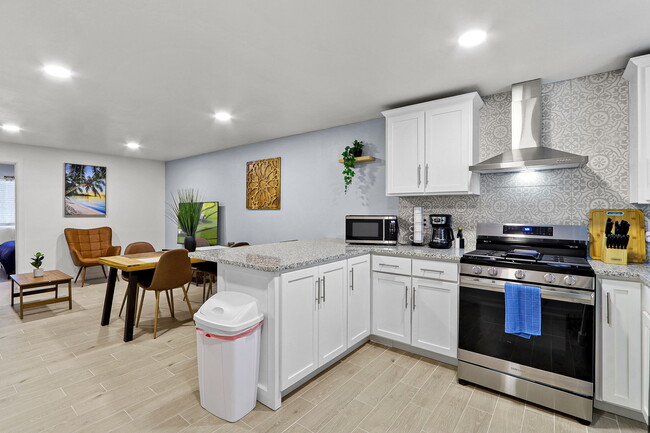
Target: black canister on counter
(460, 239)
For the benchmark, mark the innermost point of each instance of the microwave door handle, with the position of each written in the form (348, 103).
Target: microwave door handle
(553, 294)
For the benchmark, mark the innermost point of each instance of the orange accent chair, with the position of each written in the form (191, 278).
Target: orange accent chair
(88, 245)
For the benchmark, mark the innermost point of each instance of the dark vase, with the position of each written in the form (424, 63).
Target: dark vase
(357, 152)
(190, 243)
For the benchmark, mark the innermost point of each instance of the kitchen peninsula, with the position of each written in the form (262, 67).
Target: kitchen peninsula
(315, 295)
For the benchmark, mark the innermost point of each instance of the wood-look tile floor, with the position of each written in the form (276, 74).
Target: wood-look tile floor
(62, 372)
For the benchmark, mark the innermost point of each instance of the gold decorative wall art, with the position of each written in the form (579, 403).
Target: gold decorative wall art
(263, 184)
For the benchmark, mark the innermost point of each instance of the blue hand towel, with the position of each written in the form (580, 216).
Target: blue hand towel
(523, 310)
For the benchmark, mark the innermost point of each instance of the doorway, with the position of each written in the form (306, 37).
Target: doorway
(7, 221)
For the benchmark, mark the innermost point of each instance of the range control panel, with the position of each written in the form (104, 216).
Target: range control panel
(527, 230)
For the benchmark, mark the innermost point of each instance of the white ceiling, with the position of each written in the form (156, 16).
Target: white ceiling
(156, 70)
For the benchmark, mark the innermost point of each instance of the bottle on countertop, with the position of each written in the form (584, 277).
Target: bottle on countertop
(460, 240)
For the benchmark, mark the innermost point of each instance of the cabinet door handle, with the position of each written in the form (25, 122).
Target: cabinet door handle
(317, 290)
(413, 300)
(419, 174)
(608, 308)
(323, 288)
(352, 278)
(406, 297)
(389, 266)
(426, 174)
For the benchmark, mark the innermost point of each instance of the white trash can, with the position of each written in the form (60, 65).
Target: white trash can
(228, 329)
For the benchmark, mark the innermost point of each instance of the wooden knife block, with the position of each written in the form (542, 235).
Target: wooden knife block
(613, 255)
(636, 247)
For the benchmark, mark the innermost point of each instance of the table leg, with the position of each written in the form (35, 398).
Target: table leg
(70, 295)
(131, 298)
(12, 293)
(108, 298)
(21, 302)
(56, 291)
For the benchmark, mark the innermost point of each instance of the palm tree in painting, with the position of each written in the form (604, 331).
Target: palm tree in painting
(77, 180)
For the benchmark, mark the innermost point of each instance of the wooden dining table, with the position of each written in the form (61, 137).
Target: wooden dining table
(134, 264)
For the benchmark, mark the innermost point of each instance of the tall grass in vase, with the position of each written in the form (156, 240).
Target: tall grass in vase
(185, 210)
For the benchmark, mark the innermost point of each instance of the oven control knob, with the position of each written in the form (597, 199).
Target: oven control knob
(477, 269)
(569, 280)
(519, 274)
(492, 271)
(550, 278)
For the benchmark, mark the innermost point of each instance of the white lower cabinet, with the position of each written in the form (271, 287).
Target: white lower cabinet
(333, 312)
(298, 325)
(435, 316)
(621, 343)
(358, 299)
(645, 374)
(421, 312)
(391, 315)
(313, 319)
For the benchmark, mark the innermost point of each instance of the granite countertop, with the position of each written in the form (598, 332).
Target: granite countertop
(636, 271)
(284, 256)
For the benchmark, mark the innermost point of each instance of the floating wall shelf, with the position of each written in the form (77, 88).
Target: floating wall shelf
(361, 159)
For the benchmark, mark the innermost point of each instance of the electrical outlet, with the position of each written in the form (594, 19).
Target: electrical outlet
(424, 222)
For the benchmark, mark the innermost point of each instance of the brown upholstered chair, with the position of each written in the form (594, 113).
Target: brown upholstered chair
(135, 248)
(202, 242)
(87, 246)
(173, 270)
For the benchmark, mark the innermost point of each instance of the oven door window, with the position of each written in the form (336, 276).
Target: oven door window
(365, 230)
(565, 346)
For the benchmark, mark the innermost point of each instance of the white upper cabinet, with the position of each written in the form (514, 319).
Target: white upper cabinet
(638, 74)
(430, 146)
(406, 155)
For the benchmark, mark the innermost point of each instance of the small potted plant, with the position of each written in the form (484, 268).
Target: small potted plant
(37, 261)
(349, 159)
(185, 210)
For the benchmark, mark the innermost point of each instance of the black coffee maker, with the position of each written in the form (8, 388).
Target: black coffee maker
(442, 234)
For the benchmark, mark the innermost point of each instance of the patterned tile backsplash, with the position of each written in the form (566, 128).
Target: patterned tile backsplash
(586, 115)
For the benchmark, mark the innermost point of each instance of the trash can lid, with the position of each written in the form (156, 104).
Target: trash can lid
(228, 312)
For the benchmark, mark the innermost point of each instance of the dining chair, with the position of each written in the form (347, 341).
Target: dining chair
(87, 246)
(135, 248)
(173, 270)
(211, 269)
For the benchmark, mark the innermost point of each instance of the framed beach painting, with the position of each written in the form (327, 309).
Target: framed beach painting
(85, 191)
(208, 227)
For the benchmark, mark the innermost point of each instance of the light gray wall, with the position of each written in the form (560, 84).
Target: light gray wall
(312, 200)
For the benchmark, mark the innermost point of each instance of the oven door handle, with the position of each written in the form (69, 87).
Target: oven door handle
(547, 293)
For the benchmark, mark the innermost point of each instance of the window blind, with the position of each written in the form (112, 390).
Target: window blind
(7, 201)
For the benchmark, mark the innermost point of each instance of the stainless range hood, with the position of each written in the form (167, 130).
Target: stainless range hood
(527, 152)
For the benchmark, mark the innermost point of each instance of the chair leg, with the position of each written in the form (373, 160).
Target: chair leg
(137, 323)
(204, 288)
(123, 302)
(83, 277)
(104, 271)
(187, 299)
(155, 317)
(77, 277)
(169, 303)
(171, 295)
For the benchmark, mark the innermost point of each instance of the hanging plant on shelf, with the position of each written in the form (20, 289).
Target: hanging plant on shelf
(349, 159)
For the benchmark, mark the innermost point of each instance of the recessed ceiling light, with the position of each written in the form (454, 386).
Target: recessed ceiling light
(222, 116)
(133, 145)
(472, 38)
(57, 71)
(11, 127)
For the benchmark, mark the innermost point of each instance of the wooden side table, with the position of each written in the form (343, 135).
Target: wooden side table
(29, 285)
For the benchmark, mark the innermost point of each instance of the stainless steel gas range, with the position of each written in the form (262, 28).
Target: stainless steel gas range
(555, 369)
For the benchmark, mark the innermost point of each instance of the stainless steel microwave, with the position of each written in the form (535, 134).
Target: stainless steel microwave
(371, 229)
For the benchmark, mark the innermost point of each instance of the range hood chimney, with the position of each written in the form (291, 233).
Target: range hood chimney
(527, 152)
